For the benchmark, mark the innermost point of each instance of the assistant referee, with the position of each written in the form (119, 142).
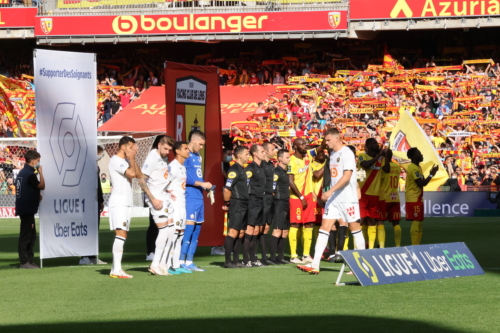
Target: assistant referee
(236, 201)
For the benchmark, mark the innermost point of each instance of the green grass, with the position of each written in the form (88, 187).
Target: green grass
(65, 297)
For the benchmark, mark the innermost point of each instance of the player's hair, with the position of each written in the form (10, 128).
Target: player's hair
(297, 140)
(411, 152)
(166, 139)
(198, 134)
(99, 149)
(31, 155)
(332, 131)
(353, 149)
(254, 149)
(370, 140)
(125, 140)
(238, 150)
(177, 145)
(282, 152)
(157, 140)
(265, 145)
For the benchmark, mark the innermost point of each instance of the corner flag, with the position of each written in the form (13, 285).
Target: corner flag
(407, 134)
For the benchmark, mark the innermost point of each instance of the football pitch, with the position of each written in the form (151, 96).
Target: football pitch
(65, 297)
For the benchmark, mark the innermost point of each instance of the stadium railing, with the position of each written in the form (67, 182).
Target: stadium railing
(483, 188)
(138, 7)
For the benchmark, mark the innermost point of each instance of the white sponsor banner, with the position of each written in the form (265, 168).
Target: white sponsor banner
(65, 85)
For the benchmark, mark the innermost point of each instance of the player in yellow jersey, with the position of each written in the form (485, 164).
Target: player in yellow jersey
(415, 183)
(317, 169)
(389, 206)
(372, 161)
(301, 199)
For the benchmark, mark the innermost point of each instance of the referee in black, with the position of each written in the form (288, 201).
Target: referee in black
(236, 201)
(256, 189)
(268, 167)
(28, 188)
(281, 186)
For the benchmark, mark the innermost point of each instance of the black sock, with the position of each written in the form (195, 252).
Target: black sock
(236, 250)
(281, 248)
(342, 232)
(246, 248)
(253, 248)
(273, 246)
(332, 242)
(263, 246)
(228, 247)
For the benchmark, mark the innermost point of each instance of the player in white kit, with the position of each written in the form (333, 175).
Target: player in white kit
(122, 169)
(341, 199)
(154, 181)
(176, 188)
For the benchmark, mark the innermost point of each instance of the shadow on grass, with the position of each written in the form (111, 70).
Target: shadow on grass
(244, 324)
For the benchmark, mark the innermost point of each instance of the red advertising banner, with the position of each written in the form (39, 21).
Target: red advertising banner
(193, 103)
(17, 17)
(178, 24)
(393, 9)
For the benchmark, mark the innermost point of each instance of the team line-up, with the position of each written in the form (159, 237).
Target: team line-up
(314, 189)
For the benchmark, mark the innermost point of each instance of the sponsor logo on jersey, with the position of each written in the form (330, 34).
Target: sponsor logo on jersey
(249, 174)
(231, 175)
(275, 178)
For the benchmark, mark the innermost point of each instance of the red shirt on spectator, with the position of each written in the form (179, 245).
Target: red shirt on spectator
(125, 99)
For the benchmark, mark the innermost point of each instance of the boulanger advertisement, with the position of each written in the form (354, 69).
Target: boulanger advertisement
(67, 141)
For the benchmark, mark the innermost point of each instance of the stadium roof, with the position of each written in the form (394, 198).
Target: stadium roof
(147, 114)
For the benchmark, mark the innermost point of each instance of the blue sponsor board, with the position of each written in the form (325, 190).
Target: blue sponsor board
(412, 263)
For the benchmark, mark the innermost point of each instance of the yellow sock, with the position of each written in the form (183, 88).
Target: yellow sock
(372, 235)
(420, 232)
(315, 232)
(346, 244)
(307, 237)
(397, 235)
(415, 232)
(364, 229)
(292, 238)
(381, 235)
(299, 237)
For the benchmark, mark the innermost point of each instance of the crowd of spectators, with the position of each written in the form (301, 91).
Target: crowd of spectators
(454, 100)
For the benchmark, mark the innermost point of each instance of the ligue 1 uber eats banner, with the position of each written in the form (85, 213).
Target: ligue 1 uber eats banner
(412, 263)
(178, 24)
(67, 142)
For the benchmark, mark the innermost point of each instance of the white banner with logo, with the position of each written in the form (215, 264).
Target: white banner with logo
(65, 85)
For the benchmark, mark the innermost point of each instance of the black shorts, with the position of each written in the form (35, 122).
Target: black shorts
(238, 213)
(256, 211)
(268, 208)
(282, 214)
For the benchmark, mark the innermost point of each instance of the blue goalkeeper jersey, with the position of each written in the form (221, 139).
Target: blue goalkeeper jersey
(194, 173)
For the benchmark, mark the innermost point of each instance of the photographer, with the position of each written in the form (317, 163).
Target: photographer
(28, 197)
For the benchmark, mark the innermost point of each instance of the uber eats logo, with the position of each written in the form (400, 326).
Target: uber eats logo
(365, 266)
(68, 144)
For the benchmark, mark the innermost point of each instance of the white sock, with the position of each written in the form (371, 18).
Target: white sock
(161, 240)
(359, 240)
(177, 249)
(321, 243)
(188, 262)
(117, 254)
(166, 258)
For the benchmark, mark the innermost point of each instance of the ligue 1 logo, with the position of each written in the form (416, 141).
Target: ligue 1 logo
(334, 19)
(46, 25)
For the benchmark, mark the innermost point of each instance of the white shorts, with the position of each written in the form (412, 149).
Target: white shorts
(160, 215)
(178, 214)
(347, 211)
(119, 218)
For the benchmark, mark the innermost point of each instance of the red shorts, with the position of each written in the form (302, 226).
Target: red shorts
(318, 212)
(415, 211)
(298, 215)
(393, 211)
(382, 211)
(368, 206)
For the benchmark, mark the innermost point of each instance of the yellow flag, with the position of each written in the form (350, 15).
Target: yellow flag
(408, 134)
